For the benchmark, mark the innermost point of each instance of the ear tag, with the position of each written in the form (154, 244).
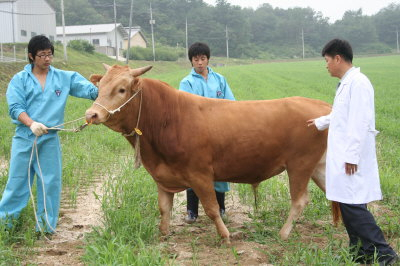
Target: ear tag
(138, 131)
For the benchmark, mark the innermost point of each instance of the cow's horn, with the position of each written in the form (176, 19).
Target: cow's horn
(106, 67)
(140, 71)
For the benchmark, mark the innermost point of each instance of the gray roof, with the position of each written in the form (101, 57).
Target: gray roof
(95, 28)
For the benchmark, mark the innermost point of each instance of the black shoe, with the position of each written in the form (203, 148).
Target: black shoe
(223, 215)
(191, 217)
(389, 261)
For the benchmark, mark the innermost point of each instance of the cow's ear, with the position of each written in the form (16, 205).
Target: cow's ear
(95, 78)
(140, 71)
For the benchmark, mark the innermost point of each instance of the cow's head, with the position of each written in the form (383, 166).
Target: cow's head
(116, 87)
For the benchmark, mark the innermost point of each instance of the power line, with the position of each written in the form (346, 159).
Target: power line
(27, 14)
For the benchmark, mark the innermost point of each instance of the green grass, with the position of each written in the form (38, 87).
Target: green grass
(130, 231)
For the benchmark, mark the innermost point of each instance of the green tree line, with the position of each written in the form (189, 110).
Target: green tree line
(264, 32)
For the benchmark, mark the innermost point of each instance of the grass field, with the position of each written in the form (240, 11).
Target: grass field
(130, 233)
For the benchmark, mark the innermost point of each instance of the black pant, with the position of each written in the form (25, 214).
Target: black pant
(193, 201)
(366, 237)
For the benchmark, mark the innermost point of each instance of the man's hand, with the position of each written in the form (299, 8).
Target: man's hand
(351, 169)
(38, 129)
(311, 122)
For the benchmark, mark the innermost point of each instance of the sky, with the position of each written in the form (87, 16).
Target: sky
(334, 9)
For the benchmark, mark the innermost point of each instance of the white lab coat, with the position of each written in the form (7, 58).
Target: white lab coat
(351, 139)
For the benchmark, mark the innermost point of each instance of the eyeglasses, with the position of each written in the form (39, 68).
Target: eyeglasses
(43, 56)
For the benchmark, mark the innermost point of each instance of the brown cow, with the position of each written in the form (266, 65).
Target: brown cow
(191, 141)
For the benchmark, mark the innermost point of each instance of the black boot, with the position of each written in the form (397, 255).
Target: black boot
(192, 206)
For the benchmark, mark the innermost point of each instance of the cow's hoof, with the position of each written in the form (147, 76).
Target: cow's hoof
(284, 235)
(226, 242)
(164, 238)
(164, 232)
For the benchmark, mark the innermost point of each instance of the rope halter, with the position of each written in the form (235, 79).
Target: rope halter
(136, 131)
(111, 112)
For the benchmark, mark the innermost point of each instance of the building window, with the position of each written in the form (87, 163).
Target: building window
(23, 33)
(51, 37)
(96, 42)
(33, 34)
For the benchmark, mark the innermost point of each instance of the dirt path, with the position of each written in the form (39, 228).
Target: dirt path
(195, 244)
(65, 247)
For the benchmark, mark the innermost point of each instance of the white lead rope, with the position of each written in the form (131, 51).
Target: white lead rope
(35, 149)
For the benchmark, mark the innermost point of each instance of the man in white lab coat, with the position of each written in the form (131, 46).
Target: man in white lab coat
(352, 176)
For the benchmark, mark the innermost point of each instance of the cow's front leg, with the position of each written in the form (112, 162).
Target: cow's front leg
(206, 194)
(165, 201)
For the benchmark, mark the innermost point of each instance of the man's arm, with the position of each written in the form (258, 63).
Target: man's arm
(37, 128)
(185, 85)
(228, 94)
(17, 107)
(25, 119)
(321, 123)
(83, 88)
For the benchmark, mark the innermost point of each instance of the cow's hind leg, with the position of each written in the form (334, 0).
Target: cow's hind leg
(318, 176)
(298, 181)
(165, 201)
(206, 194)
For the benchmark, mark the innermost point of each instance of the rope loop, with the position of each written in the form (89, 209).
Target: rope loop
(120, 107)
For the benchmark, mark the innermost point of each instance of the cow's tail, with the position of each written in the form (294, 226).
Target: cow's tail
(335, 212)
(255, 193)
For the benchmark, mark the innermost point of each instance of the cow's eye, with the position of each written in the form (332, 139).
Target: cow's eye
(122, 90)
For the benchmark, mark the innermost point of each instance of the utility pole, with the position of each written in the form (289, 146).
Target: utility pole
(63, 25)
(115, 25)
(152, 22)
(186, 38)
(12, 20)
(302, 40)
(129, 34)
(397, 39)
(227, 42)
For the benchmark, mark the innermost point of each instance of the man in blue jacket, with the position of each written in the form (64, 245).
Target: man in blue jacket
(36, 99)
(203, 81)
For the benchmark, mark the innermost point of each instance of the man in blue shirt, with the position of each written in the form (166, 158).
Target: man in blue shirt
(36, 99)
(203, 81)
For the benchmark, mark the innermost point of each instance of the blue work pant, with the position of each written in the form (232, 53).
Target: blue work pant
(16, 193)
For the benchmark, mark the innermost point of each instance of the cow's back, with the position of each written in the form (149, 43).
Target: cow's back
(255, 139)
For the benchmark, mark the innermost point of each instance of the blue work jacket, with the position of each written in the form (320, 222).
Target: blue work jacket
(25, 94)
(215, 86)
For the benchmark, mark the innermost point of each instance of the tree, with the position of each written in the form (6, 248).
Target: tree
(387, 23)
(359, 30)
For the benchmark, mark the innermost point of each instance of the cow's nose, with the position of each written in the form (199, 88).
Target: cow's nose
(91, 117)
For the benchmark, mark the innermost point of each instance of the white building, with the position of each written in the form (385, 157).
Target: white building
(20, 20)
(102, 36)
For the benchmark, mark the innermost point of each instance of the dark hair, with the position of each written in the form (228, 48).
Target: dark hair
(198, 48)
(339, 47)
(38, 43)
